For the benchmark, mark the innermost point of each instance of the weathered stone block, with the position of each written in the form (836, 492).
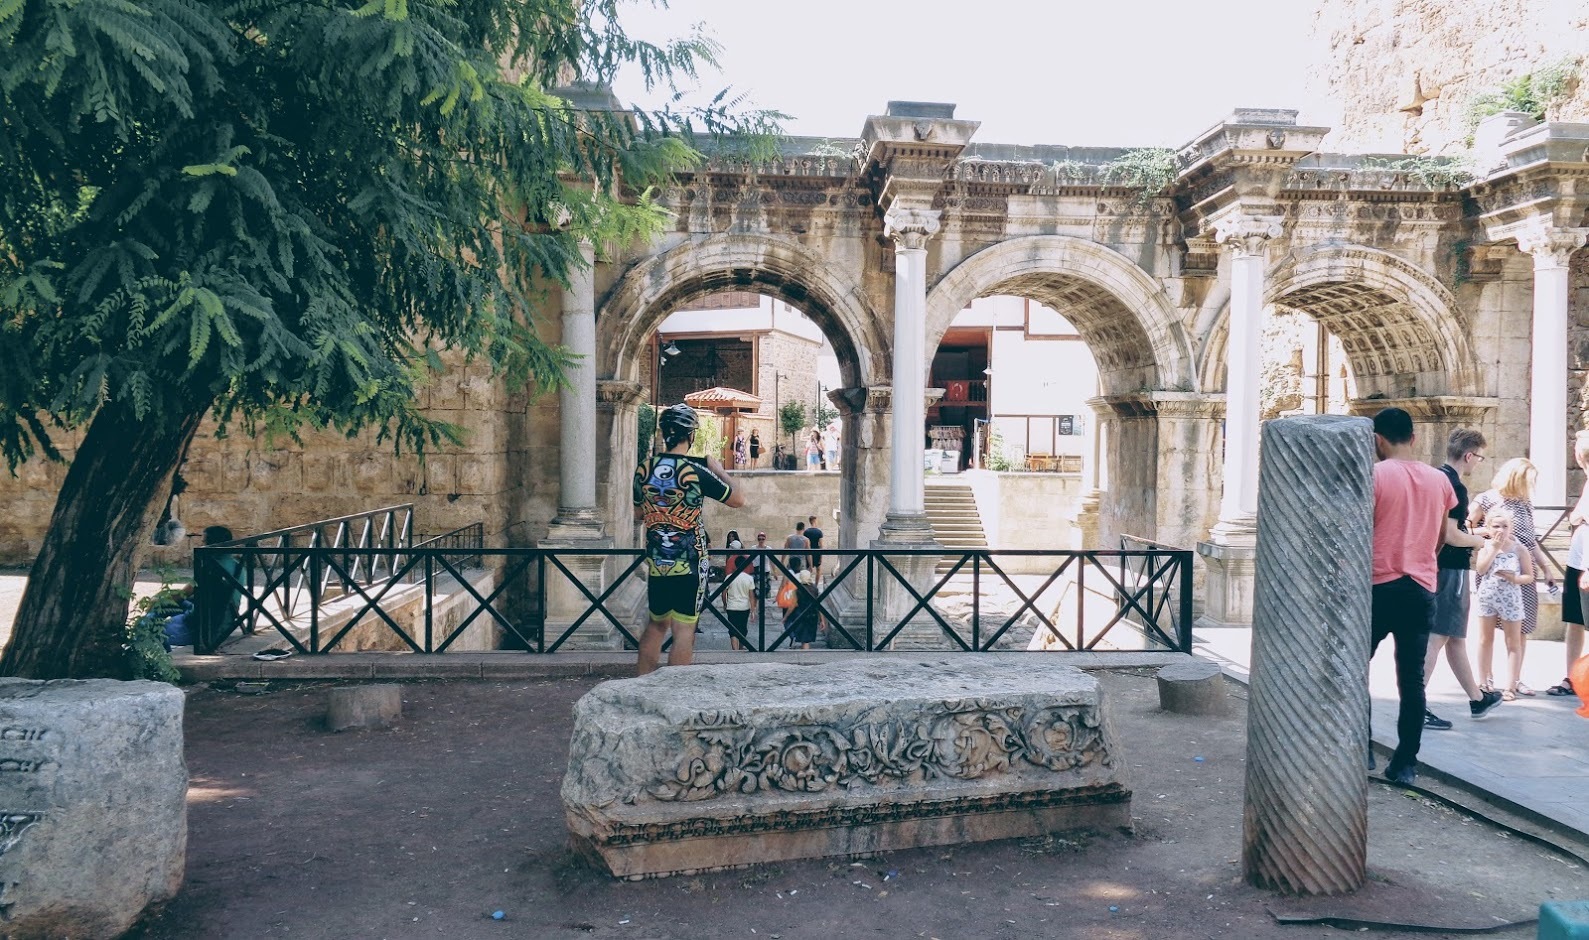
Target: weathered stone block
(1192, 688)
(363, 706)
(705, 767)
(93, 805)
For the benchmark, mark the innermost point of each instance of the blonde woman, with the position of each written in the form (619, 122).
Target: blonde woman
(1512, 489)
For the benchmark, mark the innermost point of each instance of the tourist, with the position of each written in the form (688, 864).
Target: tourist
(755, 447)
(670, 492)
(1411, 500)
(1573, 602)
(833, 445)
(1508, 573)
(1448, 629)
(1513, 488)
(737, 594)
(801, 620)
(763, 564)
(815, 453)
(741, 451)
(797, 545)
(814, 537)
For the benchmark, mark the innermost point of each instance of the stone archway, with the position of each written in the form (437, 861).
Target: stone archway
(1401, 329)
(778, 267)
(1143, 355)
(1122, 313)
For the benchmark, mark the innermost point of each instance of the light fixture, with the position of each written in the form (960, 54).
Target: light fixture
(672, 349)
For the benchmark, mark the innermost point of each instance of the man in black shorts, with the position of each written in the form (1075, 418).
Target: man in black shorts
(814, 536)
(670, 494)
(1448, 627)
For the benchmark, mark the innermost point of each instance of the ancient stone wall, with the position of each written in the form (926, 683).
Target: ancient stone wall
(1401, 74)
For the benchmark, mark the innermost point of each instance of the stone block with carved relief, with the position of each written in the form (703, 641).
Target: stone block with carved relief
(93, 805)
(696, 768)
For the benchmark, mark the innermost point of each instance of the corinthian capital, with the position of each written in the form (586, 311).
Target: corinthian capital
(1551, 245)
(1247, 234)
(910, 228)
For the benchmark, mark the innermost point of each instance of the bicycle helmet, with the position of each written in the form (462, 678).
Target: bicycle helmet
(677, 422)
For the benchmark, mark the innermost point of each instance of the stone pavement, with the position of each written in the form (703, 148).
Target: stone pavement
(1530, 756)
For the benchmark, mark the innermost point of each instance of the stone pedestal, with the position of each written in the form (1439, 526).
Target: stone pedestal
(697, 768)
(892, 602)
(93, 805)
(566, 603)
(351, 707)
(1228, 585)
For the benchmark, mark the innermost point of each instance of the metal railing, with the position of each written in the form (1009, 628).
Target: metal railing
(868, 599)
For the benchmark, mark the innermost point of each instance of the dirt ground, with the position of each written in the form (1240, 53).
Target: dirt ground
(427, 829)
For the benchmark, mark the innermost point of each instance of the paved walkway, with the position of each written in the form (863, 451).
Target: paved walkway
(1531, 755)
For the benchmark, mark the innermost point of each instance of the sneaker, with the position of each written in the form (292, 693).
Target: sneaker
(1435, 722)
(1401, 776)
(1485, 704)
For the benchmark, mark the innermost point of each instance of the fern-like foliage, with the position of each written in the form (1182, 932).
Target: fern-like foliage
(275, 208)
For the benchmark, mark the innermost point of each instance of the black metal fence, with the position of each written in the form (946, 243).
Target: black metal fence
(870, 599)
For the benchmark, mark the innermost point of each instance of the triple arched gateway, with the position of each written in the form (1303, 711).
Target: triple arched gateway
(884, 238)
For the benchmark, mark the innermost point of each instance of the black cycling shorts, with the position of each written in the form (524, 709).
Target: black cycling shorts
(676, 596)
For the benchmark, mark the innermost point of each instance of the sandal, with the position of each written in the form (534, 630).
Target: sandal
(1508, 696)
(1524, 690)
(1565, 688)
(1488, 685)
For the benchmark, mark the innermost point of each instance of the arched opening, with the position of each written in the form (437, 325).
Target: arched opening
(1138, 352)
(766, 318)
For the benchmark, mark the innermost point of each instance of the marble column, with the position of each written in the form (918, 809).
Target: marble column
(1551, 247)
(578, 524)
(577, 516)
(907, 519)
(1228, 553)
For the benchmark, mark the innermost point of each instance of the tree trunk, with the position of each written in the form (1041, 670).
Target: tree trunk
(70, 623)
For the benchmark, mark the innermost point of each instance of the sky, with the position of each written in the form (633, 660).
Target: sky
(1126, 73)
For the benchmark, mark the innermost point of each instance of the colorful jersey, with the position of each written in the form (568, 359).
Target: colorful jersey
(671, 491)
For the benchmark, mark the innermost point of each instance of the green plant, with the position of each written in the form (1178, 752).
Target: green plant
(283, 214)
(826, 414)
(144, 635)
(1002, 456)
(647, 432)
(1532, 93)
(1072, 171)
(1150, 169)
(1433, 172)
(709, 438)
(792, 420)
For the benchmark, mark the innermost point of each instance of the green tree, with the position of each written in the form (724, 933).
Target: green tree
(792, 420)
(279, 212)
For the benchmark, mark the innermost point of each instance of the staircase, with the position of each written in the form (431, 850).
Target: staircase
(952, 510)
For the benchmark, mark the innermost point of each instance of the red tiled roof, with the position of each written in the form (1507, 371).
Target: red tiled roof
(721, 397)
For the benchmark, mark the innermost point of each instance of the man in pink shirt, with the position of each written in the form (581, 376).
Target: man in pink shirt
(1411, 500)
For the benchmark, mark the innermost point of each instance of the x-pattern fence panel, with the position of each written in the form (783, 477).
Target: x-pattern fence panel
(867, 599)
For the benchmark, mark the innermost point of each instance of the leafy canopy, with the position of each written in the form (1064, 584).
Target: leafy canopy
(282, 209)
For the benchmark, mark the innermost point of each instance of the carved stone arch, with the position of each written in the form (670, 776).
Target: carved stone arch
(783, 268)
(1402, 330)
(1123, 314)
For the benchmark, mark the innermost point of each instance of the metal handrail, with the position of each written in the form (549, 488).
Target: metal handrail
(1148, 589)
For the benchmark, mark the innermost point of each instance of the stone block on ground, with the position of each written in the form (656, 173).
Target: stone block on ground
(698, 768)
(350, 707)
(93, 805)
(1192, 688)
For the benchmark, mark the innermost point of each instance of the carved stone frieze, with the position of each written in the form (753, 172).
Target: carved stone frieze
(615, 392)
(720, 766)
